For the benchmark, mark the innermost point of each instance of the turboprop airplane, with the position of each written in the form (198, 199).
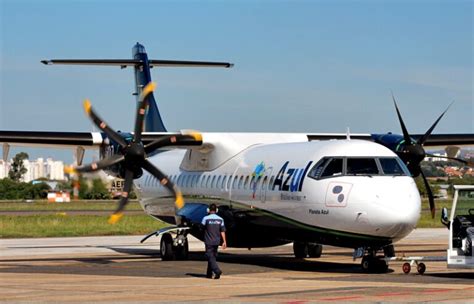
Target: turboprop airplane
(311, 190)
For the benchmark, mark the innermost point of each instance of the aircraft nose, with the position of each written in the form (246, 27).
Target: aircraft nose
(398, 207)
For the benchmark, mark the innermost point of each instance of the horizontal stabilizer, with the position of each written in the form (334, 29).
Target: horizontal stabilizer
(136, 62)
(110, 62)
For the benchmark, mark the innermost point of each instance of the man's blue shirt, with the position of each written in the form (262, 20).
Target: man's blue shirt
(213, 225)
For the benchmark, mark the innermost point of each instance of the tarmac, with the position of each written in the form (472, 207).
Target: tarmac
(120, 269)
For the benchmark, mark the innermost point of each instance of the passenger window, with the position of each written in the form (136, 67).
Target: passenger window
(362, 166)
(246, 183)
(223, 181)
(333, 168)
(391, 166)
(213, 181)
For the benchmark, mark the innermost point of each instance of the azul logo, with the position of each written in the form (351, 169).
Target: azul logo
(258, 172)
(290, 179)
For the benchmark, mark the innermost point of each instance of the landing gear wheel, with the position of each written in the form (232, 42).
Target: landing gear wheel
(374, 265)
(300, 250)
(182, 251)
(406, 268)
(366, 264)
(421, 268)
(382, 266)
(166, 247)
(315, 250)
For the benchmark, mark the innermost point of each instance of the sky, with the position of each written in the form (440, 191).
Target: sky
(300, 66)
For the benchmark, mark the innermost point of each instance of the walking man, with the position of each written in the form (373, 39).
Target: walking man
(214, 232)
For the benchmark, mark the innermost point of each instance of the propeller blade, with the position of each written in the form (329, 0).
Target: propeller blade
(422, 139)
(179, 201)
(406, 135)
(99, 122)
(141, 110)
(106, 162)
(451, 158)
(430, 195)
(193, 138)
(117, 215)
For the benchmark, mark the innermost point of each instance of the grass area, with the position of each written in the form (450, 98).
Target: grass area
(78, 225)
(427, 222)
(42, 205)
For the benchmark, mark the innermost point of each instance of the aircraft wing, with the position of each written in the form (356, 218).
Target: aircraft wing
(51, 139)
(88, 140)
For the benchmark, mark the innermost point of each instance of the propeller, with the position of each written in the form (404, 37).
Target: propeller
(133, 154)
(412, 153)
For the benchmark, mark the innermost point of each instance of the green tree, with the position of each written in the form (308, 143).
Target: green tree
(18, 169)
(99, 190)
(83, 188)
(10, 189)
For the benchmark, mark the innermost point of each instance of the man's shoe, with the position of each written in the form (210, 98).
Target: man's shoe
(209, 275)
(217, 276)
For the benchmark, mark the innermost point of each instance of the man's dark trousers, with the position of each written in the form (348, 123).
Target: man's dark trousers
(211, 253)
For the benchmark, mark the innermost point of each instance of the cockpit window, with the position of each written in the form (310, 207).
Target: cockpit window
(339, 166)
(327, 167)
(391, 166)
(362, 166)
(333, 167)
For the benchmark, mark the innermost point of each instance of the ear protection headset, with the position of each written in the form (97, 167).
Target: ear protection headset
(209, 210)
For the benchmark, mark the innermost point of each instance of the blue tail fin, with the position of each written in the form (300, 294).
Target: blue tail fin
(153, 121)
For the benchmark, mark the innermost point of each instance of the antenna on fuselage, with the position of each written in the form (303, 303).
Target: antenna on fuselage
(348, 133)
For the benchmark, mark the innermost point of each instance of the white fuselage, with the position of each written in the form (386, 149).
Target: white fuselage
(274, 178)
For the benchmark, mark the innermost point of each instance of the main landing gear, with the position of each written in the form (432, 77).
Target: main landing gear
(303, 250)
(174, 248)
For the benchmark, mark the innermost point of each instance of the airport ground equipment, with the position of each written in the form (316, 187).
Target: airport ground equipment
(460, 252)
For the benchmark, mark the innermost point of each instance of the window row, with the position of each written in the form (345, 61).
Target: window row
(221, 182)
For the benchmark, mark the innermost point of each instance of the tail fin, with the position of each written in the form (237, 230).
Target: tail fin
(152, 121)
(142, 65)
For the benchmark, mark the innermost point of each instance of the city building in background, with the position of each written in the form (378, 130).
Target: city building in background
(40, 168)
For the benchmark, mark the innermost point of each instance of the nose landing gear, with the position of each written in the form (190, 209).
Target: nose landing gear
(371, 262)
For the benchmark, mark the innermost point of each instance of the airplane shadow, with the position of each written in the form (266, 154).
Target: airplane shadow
(271, 261)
